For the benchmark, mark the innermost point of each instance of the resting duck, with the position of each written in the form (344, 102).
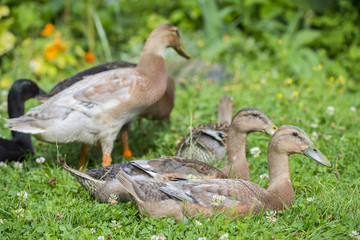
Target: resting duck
(102, 182)
(233, 196)
(94, 109)
(158, 111)
(20, 145)
(207, 142)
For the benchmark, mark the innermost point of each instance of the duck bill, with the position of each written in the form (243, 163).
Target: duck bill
(313, 153)
(181, 51)
(270, 129)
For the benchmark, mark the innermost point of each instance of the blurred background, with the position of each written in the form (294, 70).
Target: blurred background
(56, 39)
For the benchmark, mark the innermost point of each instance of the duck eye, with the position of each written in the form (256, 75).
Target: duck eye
(295, 134)
(315, 150)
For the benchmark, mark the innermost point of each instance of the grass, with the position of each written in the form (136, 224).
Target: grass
(327, 200)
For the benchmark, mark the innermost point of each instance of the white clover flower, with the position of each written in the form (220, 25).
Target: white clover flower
(191, 177)
(20, 212)
(263, 176)
(314, 136)
(271, 216)
(198, 223)
(314, 125)
(92, 230)
(310, 199)
(40, 160)
(3, 164)
(330, 110)
(1, 222)
(101, 238)
(255, 151)
(115, 224)
(4, 93)
(355, 235)
(22, 195)
(224, 236)
(158, 237)
(217, 200)
(112, 199)
(353, 109)
(327, 137)
(202, 238)
(18, 165)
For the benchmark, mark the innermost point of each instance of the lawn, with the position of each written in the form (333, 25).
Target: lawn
(319, 98)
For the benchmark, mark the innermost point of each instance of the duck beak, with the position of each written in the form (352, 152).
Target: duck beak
(270, 129)
(181, 51)
(314, 153)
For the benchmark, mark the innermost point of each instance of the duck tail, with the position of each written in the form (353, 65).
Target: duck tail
(23, 124)
(129, 185)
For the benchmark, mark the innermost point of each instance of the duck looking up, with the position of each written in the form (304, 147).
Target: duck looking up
(20, 144)
(94, 109)
(236, 196)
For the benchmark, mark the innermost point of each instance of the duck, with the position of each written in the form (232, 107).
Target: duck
(94, 109)
(102, 182)
(207, 142)
(160, 110)
(234, 197)
(20, 144)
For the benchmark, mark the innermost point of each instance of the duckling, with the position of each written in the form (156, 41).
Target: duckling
(158, 111)
(94, 109)
(102, 182)
(20, 145)
(232, 196)
(207, 142)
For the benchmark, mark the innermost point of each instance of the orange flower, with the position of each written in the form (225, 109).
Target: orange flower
(48, 30)
(50, 52)
(89, 57)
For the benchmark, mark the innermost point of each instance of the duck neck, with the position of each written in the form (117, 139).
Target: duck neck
(280, 188)
(235, 164)
(16, 108)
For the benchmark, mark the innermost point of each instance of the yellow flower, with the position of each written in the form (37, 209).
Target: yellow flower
(262, 81)
(289, 81)
(226, 37)
(296, 93)
(320, 67)
(340, 90)
(5, 82)
(314, 68)
(332, 79)
(279, 41)
(48, 30)
(280, 95)
(309, 89)
(200, 43)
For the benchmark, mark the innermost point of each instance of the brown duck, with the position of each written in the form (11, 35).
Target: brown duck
(207, 142)
(95, 109)
(240, 197)
(102, 182)
(158, 111)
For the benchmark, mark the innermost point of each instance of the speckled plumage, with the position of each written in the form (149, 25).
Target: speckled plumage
(238, 197)
(102, 182)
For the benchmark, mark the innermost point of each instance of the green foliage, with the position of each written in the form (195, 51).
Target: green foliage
(291, 59)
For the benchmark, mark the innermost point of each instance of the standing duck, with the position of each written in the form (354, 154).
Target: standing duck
(158, 111)
(94, 109)
(233, 196)
(207, 142)
(20, 145)
(102, 182)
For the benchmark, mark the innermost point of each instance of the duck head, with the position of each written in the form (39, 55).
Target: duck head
(253, 120)
(291, 139)
(170, 34)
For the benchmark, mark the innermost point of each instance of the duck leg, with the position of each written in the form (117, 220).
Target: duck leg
(106, 160)
(124, 141)
(84, 151)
